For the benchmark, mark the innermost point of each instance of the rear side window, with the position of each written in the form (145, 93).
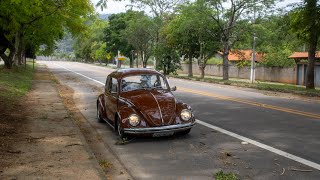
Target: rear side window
(114, 86)
(107, 85)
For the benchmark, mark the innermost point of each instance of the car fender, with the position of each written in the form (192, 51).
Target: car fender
(100, 100)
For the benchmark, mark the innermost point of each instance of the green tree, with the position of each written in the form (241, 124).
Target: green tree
(274, 40)
(100, 53)
(29, 24)
(90, 45)
(115, 35)
(180, 35)
(305, 22)
(193, 33)
(160, 10)
(140, 34)
(168, 58)
(278, 56)
(206, 32)
(230, 21)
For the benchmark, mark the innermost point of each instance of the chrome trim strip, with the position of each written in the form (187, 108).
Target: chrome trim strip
(159, 129)
(108, 123)
(126, 100)
(101, 103)
(158, 107)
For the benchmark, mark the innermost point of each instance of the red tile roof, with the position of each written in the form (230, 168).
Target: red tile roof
(302, 55)
(238, 55)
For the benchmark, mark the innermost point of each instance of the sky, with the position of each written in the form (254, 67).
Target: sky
(120, 6)
(113, 6)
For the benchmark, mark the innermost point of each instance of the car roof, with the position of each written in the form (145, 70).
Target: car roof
(121, 73)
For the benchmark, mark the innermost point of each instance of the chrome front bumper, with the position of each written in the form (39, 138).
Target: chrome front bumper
(161, 129)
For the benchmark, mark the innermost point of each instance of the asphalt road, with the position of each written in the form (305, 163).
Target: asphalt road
(283, 132)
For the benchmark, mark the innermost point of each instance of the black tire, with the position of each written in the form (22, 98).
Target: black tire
(185, 132)
(98, 113)
(120, 131)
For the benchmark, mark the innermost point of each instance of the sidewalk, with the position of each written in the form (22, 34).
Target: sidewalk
(50, 145)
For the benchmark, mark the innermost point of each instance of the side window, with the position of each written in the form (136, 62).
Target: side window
(114, 86)
(107, 86)
(158, 82)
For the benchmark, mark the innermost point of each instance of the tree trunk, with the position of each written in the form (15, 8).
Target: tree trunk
(190, 74)
(137, 61)
(156, 58)
(313, 41)
(25, 60)
(202, 72)
(165, 69)
(17, 45)
(201, 64)
(144, 59)
(225, 69)
(8, 60)
(144, 64)
(22, 55)
(311, 63)
(131, 62)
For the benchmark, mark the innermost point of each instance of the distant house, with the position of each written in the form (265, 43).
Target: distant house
(298, 56)
(301, 58)
(242, 55)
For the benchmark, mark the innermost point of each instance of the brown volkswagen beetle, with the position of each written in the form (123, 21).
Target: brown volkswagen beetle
(140, 101)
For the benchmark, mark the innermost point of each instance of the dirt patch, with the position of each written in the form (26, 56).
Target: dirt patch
(42, 76)
(10, 126)
(40, 141)
(106, 158)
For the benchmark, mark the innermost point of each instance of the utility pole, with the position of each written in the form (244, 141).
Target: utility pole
(252, 75)
(253, 50)
(137, 62)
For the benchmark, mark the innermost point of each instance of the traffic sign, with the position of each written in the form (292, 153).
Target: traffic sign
(108, 56)
(121, 57)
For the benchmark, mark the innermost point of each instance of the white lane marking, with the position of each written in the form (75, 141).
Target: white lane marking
(263, 146)
(80, 74)
(256, 143)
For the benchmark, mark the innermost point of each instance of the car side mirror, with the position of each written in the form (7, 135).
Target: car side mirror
(174, 88)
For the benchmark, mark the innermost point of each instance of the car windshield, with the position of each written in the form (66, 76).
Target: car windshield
(144, 81)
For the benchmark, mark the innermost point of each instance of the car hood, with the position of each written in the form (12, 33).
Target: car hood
(157, 106)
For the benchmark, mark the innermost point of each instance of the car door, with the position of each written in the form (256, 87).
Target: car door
(111, 98)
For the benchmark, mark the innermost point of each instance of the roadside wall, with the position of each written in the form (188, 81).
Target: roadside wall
(273, 74)
(53, 58)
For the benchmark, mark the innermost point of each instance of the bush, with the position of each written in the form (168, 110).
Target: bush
(225, 176)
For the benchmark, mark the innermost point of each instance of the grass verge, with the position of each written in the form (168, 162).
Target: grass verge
(14, 83)
(225, 176)
(269, 86)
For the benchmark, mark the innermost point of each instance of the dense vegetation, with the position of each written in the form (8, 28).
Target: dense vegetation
(27, 27)
(14, 84)
(173, 31)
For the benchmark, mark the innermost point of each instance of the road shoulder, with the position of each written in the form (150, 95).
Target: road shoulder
(48, 144)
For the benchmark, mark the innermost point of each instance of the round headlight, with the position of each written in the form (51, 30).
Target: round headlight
(186, 114)
(134, 120)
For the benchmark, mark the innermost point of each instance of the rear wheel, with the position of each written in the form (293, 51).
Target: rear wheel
(99, 113)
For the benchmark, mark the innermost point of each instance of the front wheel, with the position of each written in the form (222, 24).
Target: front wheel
(185, 132)
(120, 130)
